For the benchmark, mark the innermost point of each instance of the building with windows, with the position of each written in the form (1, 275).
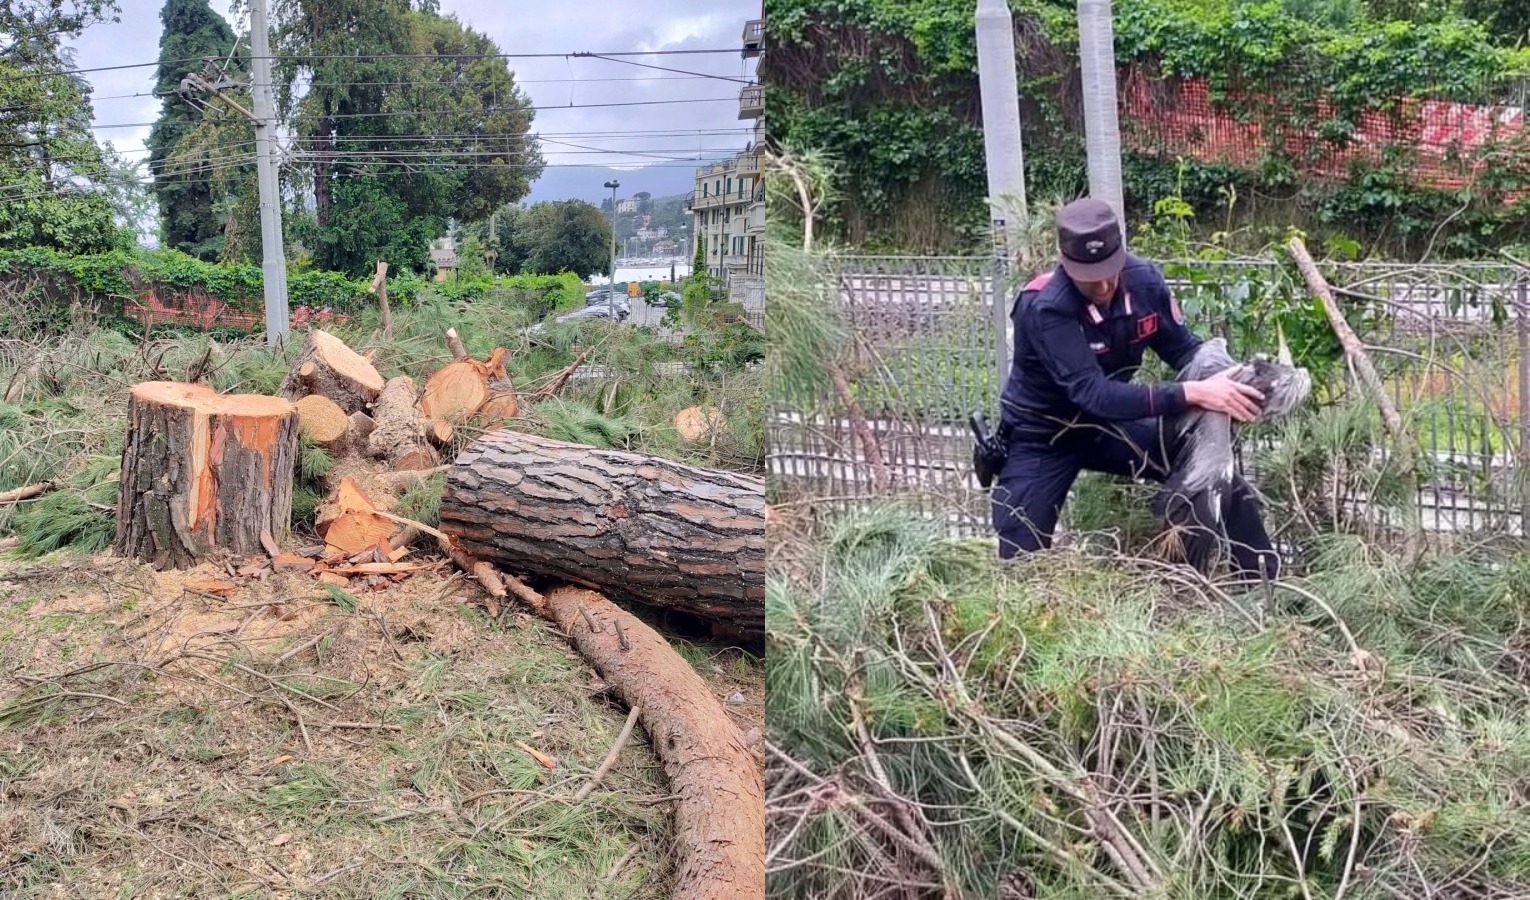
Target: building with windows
(627, 206)
(729, 200)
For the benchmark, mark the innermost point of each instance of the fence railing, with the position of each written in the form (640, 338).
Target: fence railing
(1448, 341)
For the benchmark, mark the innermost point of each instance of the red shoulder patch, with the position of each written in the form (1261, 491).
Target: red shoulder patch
(1037, 283)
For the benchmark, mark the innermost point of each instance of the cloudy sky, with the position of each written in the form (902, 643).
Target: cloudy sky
(521, 26)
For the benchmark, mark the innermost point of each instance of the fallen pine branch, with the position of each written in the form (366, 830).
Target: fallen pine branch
(718, 856)
(552, 388)
(16, 495)
(616, 748)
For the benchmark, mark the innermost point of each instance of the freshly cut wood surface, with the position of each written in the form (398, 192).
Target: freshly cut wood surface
(694, 423)
(330, 368)
(203, 472)
(321, 420)
(455, 391)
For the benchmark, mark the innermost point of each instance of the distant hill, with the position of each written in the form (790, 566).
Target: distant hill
(585, 184)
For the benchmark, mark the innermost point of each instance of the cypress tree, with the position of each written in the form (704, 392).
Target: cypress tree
(187, 218)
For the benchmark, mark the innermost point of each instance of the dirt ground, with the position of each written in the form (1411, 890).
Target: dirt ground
(159, 742)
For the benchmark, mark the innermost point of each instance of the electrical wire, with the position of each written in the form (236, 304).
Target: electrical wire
(98, 188)
(629, 62)
(455, 112)
(300, 58)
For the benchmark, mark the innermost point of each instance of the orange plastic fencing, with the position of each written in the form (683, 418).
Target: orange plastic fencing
(1449, 145)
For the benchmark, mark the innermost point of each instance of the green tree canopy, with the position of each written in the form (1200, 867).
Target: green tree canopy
(186, 194)
(48, 155)
(548, 238)
(412, 141)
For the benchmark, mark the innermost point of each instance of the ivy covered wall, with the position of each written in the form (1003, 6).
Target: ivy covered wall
(889, 89)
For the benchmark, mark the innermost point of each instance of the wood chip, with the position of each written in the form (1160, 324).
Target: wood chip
(398, 554)
(213, 586)
(291, 562)
(540, 757)
(285, 757)
(280, 839)
(387, 568)
(269, 542)
(336, 580)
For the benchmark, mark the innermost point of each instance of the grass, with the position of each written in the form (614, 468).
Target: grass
(152, 764)
(153, 742)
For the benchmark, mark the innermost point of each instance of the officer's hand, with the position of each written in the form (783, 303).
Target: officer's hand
(1220, 393)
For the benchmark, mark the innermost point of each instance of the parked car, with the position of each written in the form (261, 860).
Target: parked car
(598, 309)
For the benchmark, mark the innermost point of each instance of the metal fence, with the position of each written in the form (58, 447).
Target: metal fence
(1448, 341)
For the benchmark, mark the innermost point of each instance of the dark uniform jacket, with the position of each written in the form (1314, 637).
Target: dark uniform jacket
(1074, 361)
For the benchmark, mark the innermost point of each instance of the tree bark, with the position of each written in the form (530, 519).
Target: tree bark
(203, 472)
(720, 815)
(399, 430)
(328, 367)
(660, 532)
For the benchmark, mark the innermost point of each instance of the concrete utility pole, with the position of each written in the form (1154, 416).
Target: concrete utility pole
(273, 254)
(613, 184)
(1000, 91)
(1102, 136)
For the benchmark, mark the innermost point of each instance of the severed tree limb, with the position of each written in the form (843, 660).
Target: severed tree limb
(486, 575)
(553, 387)
(454, 344)
(379, 287)
(1360, 362)
(719, 792)
(16, 495)
(616, 749)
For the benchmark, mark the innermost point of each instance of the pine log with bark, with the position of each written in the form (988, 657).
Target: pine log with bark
(399, 430)
(203, 472)
(328, 367)
(660, 532)
(720, 811)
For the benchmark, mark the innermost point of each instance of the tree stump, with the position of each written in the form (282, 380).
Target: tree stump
(641, 527)
(328, 367)
(203, 472)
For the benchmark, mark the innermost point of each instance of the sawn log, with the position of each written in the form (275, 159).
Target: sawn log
(633, 526)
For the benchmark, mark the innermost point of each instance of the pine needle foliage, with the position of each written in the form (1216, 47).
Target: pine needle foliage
(1080, 723)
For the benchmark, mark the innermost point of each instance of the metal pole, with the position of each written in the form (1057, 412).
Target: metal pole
(1003, 154)
(1522, 328)
(1102, 136)
(273, 256)
(611, 291)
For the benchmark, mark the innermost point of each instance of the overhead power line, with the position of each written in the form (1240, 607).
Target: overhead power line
(442, 84)
(458, 112)
(98, 188)
(366, 56)
(663, 68)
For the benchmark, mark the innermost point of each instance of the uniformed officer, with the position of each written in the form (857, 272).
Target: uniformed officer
(1070, 404)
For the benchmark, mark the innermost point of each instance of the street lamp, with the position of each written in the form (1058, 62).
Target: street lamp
(613, 184)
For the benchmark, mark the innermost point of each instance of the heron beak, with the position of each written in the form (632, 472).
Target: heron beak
(1283, 355)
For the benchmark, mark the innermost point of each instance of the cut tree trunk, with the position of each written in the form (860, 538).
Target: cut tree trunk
(720, 811)
(328, 367)
(661, 532)
(203, 472)
(326, 424)
(399, 430)
(695, 424)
